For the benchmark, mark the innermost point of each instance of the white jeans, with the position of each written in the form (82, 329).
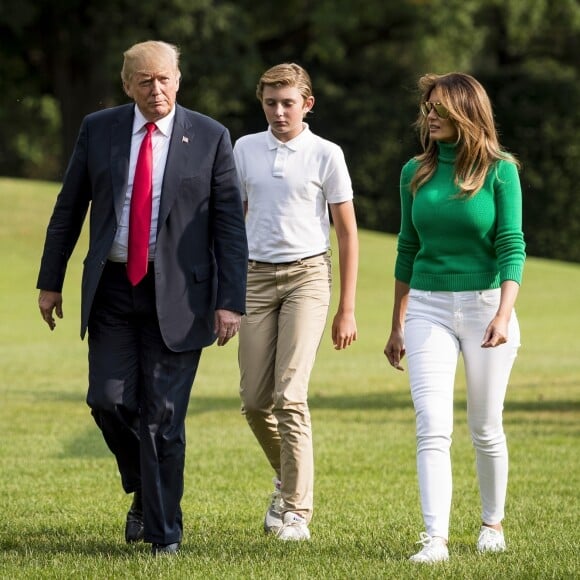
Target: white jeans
(438, 326)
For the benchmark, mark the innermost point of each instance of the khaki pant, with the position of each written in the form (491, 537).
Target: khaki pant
(287, 307)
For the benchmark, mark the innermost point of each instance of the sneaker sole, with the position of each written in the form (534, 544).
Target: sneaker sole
(272, 525)
(292, 539)
(271, 529)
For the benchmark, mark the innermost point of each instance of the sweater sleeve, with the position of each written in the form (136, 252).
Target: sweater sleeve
(509, 238)
(408, 240)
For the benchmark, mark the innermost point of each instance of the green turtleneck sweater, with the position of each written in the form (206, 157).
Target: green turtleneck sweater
(452, 243)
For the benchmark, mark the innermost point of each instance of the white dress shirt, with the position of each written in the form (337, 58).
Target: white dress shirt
(160, 142)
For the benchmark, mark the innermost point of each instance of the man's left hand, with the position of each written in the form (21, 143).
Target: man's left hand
(227, 324)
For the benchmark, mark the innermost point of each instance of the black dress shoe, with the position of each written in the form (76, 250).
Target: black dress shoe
(134, 529)
(158, 549)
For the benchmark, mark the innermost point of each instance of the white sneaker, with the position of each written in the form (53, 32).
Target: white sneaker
(294, 528)
(490, 540)
(434, 550)
(273, 520)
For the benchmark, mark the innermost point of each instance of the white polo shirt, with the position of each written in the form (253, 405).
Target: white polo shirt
(288, 187)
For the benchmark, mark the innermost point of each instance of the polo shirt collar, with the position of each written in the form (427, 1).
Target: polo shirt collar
(300, 140)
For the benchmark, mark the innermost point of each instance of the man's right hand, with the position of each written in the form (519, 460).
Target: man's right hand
(50, 302)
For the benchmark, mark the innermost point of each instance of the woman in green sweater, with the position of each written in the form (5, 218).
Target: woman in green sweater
(459, 265)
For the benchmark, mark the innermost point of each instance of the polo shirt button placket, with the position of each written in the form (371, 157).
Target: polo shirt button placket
(280, 161)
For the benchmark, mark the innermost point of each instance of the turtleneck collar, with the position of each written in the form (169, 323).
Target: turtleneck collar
(447, 152)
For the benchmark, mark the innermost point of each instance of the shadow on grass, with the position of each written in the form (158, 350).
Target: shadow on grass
(90, 444)
(239, 548)
(371, 401)
(361, 402)
(382, 402)
(64, 542)
(226, 547)
(42, 395)
(558, 406)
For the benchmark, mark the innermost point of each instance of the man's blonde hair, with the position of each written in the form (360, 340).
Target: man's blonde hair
(148, 53)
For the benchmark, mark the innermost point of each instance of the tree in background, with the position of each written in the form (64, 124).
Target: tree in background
(59, 61)
(531, 67)
(71, 52)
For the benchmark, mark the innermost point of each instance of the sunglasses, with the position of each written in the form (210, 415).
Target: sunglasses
(441, 110)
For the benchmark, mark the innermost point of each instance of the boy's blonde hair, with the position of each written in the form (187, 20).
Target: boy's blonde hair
(285, 75)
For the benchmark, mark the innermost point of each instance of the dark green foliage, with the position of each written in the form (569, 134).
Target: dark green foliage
(59, 61)
(539, 118)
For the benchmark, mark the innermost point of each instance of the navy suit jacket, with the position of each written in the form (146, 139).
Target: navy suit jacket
(201, 252)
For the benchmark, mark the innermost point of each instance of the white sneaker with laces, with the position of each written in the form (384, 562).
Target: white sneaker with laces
(490, 540)
(434, 550)
(294, 528)
(273, 519)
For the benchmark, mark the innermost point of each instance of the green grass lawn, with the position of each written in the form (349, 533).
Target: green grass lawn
(61, 505)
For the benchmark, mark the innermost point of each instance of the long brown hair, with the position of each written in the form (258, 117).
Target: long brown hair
(478, 147)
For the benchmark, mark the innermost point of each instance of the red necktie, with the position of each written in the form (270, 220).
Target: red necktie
(140, 214)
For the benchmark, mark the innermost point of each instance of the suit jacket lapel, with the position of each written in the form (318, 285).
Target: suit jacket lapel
(178, 156)
(121, 131)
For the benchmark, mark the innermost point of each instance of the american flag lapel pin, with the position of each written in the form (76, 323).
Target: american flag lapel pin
(185, 139)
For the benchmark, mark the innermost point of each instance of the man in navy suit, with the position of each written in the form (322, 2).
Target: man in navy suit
(145, 337)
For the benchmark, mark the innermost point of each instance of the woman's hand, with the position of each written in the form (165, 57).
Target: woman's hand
(395, 349)
(496, 333)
